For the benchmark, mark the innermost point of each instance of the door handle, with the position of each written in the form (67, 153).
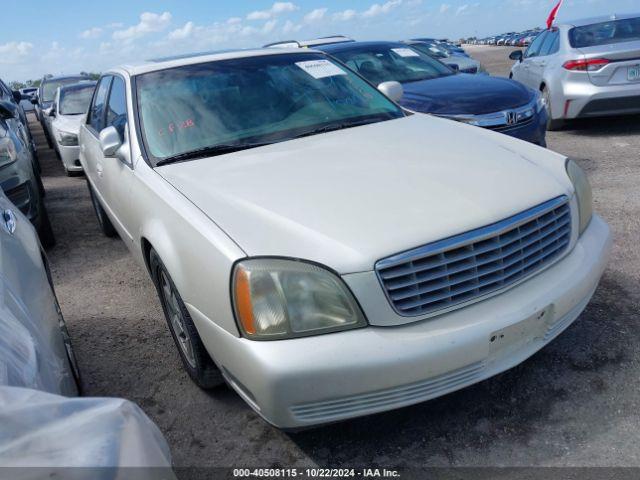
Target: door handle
(99, 169)
(9, 221)
(82, 148)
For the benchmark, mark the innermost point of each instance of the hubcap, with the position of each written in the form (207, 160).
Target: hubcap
(176, 319)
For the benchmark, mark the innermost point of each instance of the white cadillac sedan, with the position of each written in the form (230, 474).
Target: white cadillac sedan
(321, 251)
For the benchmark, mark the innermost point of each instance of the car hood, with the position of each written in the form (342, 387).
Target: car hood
(348, 198)
(464, 94)
(68, 123)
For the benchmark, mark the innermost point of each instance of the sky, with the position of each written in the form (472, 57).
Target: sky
(68, 36)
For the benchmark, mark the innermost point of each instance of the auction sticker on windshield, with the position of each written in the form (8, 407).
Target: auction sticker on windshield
(320, 68)
(405, 52)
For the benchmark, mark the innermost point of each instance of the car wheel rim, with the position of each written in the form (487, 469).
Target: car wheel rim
(176, 319)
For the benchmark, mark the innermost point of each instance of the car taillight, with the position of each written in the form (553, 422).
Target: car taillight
(586, 65)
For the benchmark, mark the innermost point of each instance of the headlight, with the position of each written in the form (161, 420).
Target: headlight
(8, 152)
(540, 102)
(275, 299)
(584, 195)
(68, 139)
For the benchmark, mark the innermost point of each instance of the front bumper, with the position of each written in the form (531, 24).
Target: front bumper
(534, 131)
(70, 157)
(314, 380)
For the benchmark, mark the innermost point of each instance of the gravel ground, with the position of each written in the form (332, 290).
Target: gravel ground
(575, 403)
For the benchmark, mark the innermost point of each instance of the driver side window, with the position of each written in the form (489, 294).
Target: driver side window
(97, 111)
(534, 48)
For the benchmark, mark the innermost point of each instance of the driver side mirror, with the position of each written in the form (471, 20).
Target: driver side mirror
(52, 111)
(34, 99)
(393, 90)
(110, 142)
(8, 110)
(516, 55)
(17, 96)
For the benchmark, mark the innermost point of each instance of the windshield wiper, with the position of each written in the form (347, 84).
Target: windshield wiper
(333, 127)
(209, 152)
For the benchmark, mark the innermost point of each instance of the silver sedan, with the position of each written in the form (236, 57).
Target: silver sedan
(587, 68)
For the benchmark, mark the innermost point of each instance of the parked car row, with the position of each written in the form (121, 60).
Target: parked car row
(514, 39)
(19, 167)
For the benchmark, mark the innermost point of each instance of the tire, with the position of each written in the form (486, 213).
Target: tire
(552, 125)
(45, 231)
(47, 137)
(103, 220)
(195, 358)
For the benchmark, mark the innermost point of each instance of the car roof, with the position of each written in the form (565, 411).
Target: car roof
(78, 86)
(603, 18)
(157, 64)
(343, 47)
(63, 77)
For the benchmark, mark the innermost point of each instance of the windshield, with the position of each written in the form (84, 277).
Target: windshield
(49, 87)
(605, 33)
(76, 100)
(431, 49)
(252, 100)
(384, 63)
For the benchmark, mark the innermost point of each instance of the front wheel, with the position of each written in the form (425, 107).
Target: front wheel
(104, 223)
(195, 358)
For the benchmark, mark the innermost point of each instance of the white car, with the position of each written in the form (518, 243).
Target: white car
(69, 112)
(326, 254)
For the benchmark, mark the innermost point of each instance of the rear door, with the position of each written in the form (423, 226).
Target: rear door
(538, 64)
(524, 69)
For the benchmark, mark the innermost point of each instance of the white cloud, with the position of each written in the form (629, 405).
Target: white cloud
(149, 22)
(290, 27)
(461, 9)
(377, 9)
(94, 32)
(345, 15)
(315, 15)
(115, 25)
(183, 32)
(14, 52)
(444, 7)
(276, 9)
(234, 21)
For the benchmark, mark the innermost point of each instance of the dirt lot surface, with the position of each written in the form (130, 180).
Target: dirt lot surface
(576, 402)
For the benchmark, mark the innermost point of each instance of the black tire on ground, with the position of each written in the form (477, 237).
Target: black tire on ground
(195, 358)
(45, 232)
(552, 125)
(47, 137)
(103, 219)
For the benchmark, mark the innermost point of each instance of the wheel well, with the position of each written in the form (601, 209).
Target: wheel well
(146, 250)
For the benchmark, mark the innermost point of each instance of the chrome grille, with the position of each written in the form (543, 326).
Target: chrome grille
(468, 266)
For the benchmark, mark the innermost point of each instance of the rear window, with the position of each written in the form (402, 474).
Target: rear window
(605, 33)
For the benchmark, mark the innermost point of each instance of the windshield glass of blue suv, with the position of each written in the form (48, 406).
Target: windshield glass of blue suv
(382, 63)
(256, 100)
(76, 101)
